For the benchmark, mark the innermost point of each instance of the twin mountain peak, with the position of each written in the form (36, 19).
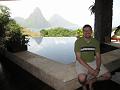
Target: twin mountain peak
(38, 21)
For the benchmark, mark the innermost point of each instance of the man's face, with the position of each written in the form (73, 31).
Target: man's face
(87, 32)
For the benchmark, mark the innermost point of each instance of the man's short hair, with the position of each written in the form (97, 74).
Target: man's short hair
(87, 25)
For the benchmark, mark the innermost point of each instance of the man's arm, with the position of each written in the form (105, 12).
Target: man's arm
(98, 61)
(81, 61)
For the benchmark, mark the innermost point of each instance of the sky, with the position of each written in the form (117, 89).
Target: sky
(75, 11)
(116, 13)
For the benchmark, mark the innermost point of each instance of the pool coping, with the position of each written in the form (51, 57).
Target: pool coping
(57, 75)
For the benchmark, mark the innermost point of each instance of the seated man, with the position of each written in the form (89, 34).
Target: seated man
(88, 59)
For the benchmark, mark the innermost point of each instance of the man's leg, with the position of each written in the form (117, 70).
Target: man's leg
(90, 80)
(104, 73)
(82, 79)
(105, 76)
(91, 83)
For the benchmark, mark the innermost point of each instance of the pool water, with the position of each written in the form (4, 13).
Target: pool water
(60, 49)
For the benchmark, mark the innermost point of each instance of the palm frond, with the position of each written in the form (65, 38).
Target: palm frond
(92, 8)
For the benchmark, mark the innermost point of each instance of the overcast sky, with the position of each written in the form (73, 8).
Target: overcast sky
(75, 11)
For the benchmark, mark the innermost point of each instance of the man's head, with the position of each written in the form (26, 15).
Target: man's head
(87, 31)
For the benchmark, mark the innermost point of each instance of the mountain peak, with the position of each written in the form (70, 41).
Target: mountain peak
(58, 21)
(37, 20)
(36, 10)
(57, 17)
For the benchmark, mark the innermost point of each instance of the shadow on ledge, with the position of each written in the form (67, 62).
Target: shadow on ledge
(106, 48)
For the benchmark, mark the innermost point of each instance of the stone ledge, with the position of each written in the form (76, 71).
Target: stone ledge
(57, 75)
(111, 59)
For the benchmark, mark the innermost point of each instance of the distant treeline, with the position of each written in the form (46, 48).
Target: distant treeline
(60, 32)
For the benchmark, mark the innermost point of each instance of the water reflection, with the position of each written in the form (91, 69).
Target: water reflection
(38, 40)
(60, 49)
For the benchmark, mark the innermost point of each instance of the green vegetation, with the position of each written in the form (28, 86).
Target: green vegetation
(4, 19)
(9, 26)
(10, 32)
(60, 32)
(14, 34)
(116, 32)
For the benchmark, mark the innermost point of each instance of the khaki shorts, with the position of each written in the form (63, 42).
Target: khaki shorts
(81, 69)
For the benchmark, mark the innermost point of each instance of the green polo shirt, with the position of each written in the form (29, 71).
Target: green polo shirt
(87, 49)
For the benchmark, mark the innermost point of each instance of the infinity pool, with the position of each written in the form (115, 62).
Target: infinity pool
(60, 49)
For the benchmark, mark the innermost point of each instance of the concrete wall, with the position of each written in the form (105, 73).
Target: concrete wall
(57, 75)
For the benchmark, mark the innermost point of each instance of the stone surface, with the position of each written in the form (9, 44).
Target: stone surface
(59, 76)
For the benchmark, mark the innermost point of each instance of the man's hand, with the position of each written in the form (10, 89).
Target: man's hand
(97, 71)
(94, 72)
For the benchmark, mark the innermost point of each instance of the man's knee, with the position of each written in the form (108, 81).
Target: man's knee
(106, 76)
(82, 78)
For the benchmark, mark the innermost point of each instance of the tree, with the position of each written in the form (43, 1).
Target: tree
(103, 19)
(4, 19)
(58, 32)
(92, 8)
(44, 32)
(79, 33)
(11, 34)
(117, 31)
